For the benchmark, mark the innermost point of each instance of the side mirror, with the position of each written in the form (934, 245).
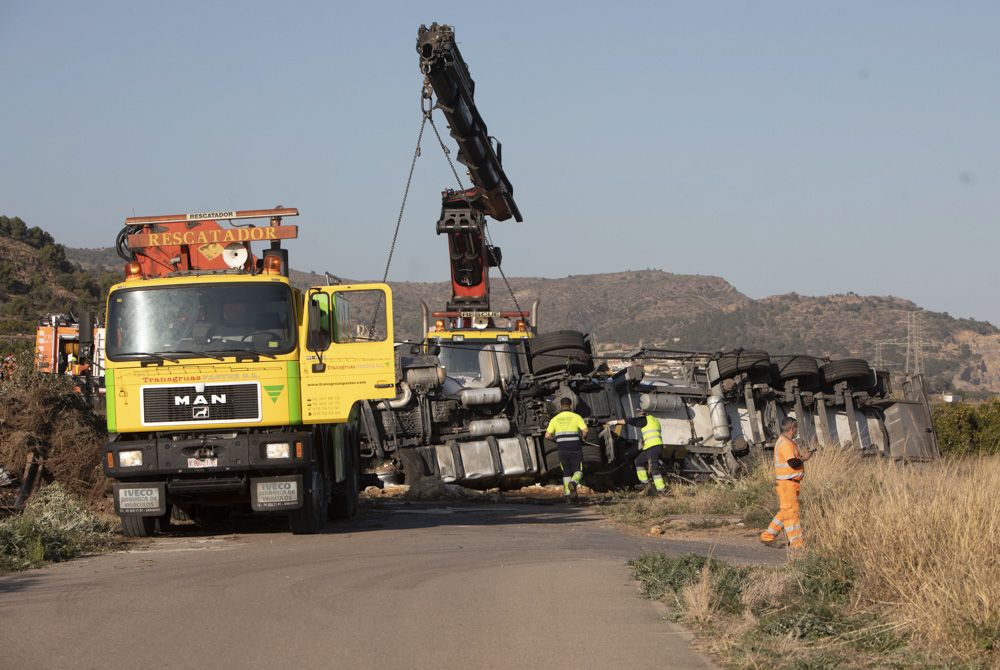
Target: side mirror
(317, 339)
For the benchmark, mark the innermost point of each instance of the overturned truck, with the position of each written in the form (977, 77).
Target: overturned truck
(475, 412)
(474, 396)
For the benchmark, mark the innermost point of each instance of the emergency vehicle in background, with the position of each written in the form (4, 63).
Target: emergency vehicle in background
(60, 349)
(229, 388)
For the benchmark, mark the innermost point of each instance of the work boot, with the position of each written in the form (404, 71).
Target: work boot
(771, 544)
(573, 497)
(648, 490)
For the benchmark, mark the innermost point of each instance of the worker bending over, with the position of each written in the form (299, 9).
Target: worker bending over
(651, 448)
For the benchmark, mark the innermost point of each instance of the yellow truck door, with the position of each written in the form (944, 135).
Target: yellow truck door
(347, 350)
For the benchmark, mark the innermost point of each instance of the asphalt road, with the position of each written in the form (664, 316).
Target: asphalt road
(415, 586)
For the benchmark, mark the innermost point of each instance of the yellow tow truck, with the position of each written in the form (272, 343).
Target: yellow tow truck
(227, 387)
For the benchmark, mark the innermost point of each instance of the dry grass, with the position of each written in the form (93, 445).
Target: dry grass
(921, 543)
(751, 498)
(901, 570)
(41, 413)
(699, 598)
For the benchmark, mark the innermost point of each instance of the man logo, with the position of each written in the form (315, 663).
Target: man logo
(199, 413)
(212, 399)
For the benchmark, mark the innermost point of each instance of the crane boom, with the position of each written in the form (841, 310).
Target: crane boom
(448, 75)
(463, 213)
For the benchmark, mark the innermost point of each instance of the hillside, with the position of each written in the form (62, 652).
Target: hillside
(705, 313)
(622, 310)
(36, 278)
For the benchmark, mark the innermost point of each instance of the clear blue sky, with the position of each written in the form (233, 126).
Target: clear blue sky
(853, 146)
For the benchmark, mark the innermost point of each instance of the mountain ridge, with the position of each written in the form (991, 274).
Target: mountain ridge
(621, 309)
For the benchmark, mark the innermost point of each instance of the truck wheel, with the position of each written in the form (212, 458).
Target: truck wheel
(311, 516)
(551, 453)
(796, 367)
(593, 454)
(344, 503)
(574, 360)
(138, 526)
(414, 467)
(558, 339)
(855, 371)
(733, 363)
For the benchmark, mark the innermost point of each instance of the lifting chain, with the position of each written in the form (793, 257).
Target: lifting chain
(425, 96)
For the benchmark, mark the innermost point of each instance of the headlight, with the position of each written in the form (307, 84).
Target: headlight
(279, 450)
(130, 459)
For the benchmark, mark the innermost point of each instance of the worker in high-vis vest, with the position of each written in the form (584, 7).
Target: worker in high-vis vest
(568, 429)
(789, 468)
(651, 448)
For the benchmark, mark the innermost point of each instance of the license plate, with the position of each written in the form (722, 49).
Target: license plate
(203, 462)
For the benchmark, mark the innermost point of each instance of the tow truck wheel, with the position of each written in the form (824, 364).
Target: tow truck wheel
(310, 517)
(138, 526)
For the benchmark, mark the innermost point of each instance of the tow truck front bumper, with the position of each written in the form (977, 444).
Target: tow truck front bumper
(265, 468)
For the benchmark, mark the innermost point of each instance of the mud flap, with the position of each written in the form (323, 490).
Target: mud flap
(271, 494)
(138, 499)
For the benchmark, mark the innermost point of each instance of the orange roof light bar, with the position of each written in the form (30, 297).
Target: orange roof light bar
(221, 215)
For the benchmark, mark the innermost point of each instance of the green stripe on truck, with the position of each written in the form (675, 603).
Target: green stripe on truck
(109, 400)
(294, 399)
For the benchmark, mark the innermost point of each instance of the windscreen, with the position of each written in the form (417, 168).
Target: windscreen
(461, 360)
(184, 321)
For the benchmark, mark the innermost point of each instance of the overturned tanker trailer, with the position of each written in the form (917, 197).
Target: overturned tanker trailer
(475, 412)
(721, 412)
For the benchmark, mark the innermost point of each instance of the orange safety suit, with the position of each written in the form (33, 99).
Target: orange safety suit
(787, 484)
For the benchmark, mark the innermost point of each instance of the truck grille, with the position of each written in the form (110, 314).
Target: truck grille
(216, 403)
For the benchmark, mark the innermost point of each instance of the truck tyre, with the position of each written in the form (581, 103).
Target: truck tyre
(855, 371)
(551, 453)
(573, 360)
(558, 339)
(593, 454)
(796, 367)
(733, 363)
(414, 467)
(310, 517)
(344, 503)
(138, 526)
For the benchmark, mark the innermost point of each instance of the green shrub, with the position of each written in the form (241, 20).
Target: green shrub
(666, 576)
(54, 527)
(964, 429)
